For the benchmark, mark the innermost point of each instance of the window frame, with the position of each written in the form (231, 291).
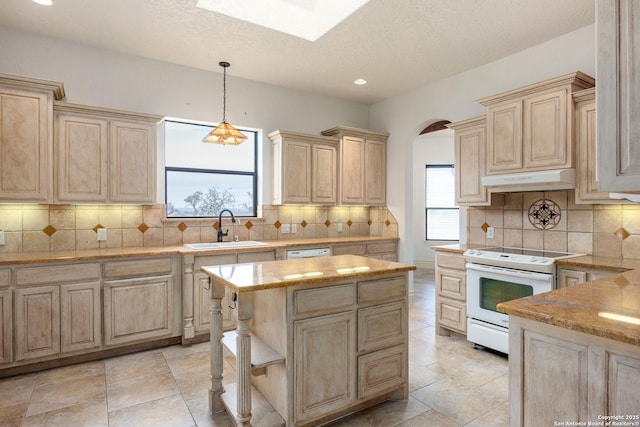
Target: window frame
(207, 127)
(427, 209)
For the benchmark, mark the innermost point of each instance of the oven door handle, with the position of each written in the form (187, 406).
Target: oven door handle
(541, 277)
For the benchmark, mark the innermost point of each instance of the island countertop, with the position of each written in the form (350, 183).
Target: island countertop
(607, 307)
(254, 276)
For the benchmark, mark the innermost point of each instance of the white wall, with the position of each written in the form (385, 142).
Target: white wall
(431, 149)
(110, 79)
(454, 99)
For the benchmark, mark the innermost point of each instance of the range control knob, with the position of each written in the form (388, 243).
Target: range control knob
(533, 259)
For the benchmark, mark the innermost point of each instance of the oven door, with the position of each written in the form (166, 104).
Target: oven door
(487, 286)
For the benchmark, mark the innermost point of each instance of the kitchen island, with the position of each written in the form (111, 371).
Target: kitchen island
(574, 354)
(317, 338)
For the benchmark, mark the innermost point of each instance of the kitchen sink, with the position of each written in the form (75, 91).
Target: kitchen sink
(225, 245)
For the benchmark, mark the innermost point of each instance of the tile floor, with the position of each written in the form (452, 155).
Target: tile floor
(451, 384)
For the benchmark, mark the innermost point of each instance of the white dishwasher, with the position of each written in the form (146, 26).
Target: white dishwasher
(308, 253)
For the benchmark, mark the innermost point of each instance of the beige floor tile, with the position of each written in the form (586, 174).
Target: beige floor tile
(465, 371)
(135, 365)
(421, 376)
(13, 415)
(82, 370)
(496, 390)
(52, 396)
(430, 418)
(140, 390)
(454, 400)
(84, 414)
(16, 390)
(168, 411)
(499, 417)
(189, 363)
(392, 413)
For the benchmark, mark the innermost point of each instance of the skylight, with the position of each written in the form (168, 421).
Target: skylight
(307, 19)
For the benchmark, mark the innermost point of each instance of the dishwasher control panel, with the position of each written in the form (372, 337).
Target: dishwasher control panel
(308, 253)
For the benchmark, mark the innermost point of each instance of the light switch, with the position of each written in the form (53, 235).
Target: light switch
(491, 233)
(285, 228)
(339, 227)
(294, 228)
(1, 237)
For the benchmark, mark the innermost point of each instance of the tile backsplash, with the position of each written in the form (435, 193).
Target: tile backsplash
(33, 228)
(611, 230)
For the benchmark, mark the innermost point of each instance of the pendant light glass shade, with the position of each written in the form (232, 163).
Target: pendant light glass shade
(225, 133)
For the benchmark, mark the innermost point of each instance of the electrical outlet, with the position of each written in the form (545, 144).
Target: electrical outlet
(1, 238)
(102, 234)
(339, 227)
(285, 228)
(294, 228)
(491, 233)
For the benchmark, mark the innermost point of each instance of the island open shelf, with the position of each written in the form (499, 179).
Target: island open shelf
(316, 338)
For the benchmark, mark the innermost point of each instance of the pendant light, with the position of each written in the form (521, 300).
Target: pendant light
(224, 133)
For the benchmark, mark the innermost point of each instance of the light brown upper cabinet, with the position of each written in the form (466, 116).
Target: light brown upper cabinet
(587, 187)
(470, 140)
(26, 107)
(531, 128)
(362, 166)
(305, 168)
(618, 94)
(104, 156)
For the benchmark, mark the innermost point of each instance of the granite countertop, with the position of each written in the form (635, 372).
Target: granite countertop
(582, 307)
(255, 276)
(128, 252)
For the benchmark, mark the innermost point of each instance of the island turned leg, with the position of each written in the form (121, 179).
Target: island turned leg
(216, 390)
(243, 361)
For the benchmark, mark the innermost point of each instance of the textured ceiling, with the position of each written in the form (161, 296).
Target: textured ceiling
(396, 45)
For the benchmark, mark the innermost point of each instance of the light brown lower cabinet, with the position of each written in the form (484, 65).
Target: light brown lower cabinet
(558, 375)
(138, 309)
(37, 312)
(6, 326)
(451, 294)
(80, 317)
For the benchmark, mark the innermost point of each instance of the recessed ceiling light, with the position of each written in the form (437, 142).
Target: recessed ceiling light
(360, 81)
(307, 19)
(44, 2)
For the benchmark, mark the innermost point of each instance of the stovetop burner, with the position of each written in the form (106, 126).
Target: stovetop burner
(517, 258)
(529, 252)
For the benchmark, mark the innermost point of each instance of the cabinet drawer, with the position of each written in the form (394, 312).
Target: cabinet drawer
(457, 262)
(5, 278)
(451, 314)
(382, 326)
(382, 247)
(57, 273)
(349, 250)
(327, 299)
(136, 267)
(382, 290)
(382, 371)
(256, 256)
(452, 284)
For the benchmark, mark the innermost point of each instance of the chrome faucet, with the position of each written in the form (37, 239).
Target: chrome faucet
(222, 234)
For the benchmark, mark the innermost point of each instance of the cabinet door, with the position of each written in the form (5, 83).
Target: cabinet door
(375, 166)
(138, 309)
(6, 327)
(80, 317)
(25, 122)
(451, 314)
(618, 94)
(504, 142)
(296, 164)
(554, 391)
(37, 312)
(324, 174)
(352, 170)
(133, 161)
(470, 160)
(570, 277)
(81, 149)
(586, 155)
(546, 138)
(324, 380)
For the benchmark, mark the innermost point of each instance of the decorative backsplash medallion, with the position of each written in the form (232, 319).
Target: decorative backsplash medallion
(544, 214)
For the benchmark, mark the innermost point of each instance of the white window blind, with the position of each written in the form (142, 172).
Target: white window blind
(441, 212)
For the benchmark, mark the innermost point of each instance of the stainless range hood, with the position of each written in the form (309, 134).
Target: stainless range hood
(546, 180)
